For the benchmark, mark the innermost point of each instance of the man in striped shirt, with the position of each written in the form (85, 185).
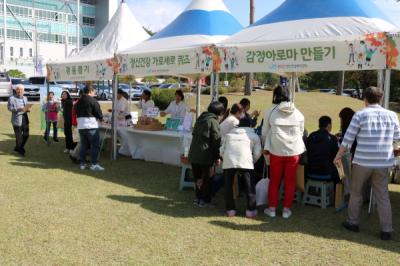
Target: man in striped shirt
(376, 129)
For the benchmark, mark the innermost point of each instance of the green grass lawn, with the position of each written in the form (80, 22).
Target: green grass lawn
(133, 213)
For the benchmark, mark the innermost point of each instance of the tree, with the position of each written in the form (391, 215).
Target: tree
(249, 76)
(15, 73)
(150, 79)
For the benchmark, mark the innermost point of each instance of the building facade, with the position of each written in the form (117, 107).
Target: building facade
(32, 32)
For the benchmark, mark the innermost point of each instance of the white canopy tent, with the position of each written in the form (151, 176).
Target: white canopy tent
(95, 61)
(318, 35)
(183, 47)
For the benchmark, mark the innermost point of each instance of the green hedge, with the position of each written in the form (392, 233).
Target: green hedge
(162, 97)
(221, 91)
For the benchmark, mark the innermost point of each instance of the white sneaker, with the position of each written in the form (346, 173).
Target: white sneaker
(286, 213)
(270, 212)
(82, 167)
(96, 167)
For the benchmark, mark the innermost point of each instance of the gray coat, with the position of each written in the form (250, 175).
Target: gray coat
(13, 106)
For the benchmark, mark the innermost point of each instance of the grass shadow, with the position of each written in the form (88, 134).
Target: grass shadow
(159, 184)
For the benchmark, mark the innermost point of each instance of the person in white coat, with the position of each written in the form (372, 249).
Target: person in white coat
(240, 150)
(145, 102)
(282, 133)
(232, 121)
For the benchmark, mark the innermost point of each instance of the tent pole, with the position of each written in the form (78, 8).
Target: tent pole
(198, 96)
(114, 119)
(386, 99)
(381, 78)
(212, 86)
(216, 87)
(292, 86)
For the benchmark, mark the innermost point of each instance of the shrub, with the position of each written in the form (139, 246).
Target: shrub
(149, 79)
(162, 97)
(170, 81)
(186, 89)
(237, 85)
(221, 90)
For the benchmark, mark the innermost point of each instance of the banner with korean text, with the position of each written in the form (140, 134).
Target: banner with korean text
(364, 53)
(83, 71)
(177, 62)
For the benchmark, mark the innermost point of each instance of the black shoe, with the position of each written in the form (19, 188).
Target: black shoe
(56, 140)
(21, 152)
(74, 160)
(16, 149)
(46, 138)
(351, 227)
(386, 236)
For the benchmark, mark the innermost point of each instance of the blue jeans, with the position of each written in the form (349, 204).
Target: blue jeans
(89, 138)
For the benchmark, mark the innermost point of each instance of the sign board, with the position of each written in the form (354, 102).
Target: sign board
(173, 124)
(363, 53)
(182, 61)
(152, 112)
(83, 71)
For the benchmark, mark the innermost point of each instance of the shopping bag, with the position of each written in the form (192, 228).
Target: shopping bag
(60, 121)
(300, 178)
(75, 135)
(339, 195)
(262, 191)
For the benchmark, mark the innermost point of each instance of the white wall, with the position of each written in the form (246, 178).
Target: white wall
(46, 51)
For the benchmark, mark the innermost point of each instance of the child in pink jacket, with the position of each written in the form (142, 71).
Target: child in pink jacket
(51, 109)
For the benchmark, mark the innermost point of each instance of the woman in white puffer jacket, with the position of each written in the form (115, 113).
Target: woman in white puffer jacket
(240, 150)
(283, 141)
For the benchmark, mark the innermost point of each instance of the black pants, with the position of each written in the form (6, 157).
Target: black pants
(21, 136)
(203, 180)
(69, 142)
(47, 132)
(246, 178)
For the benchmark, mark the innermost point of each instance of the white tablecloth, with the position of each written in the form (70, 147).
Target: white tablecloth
(153, 146)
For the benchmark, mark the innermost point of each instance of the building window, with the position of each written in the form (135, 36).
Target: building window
(86, 40)
(71, 19)
(30, 52)
(88, 21)
(52, 38)
(19, 11)
(21, 52)
(19, 34)
(72, 40)
(11, 51)
(89, 2)
(50, 15)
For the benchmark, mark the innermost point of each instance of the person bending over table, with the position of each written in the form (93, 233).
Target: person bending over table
(177, 108)
(145, 102)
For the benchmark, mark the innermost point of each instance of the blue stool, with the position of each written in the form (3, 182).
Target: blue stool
(323, 191)
(297, 195)
(185, 180)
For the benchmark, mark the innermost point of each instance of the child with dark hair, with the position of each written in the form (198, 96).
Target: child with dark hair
(253, 117)
(225, 102)
(232, 120)
(240, 150)
(204, 151)
(51, 109)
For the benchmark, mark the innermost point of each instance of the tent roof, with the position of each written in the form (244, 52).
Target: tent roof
(203, 22)
(122, 31)
(304, 19)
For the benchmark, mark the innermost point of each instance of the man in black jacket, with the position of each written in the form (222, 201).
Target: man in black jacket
(321, 150)
(88, 114)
